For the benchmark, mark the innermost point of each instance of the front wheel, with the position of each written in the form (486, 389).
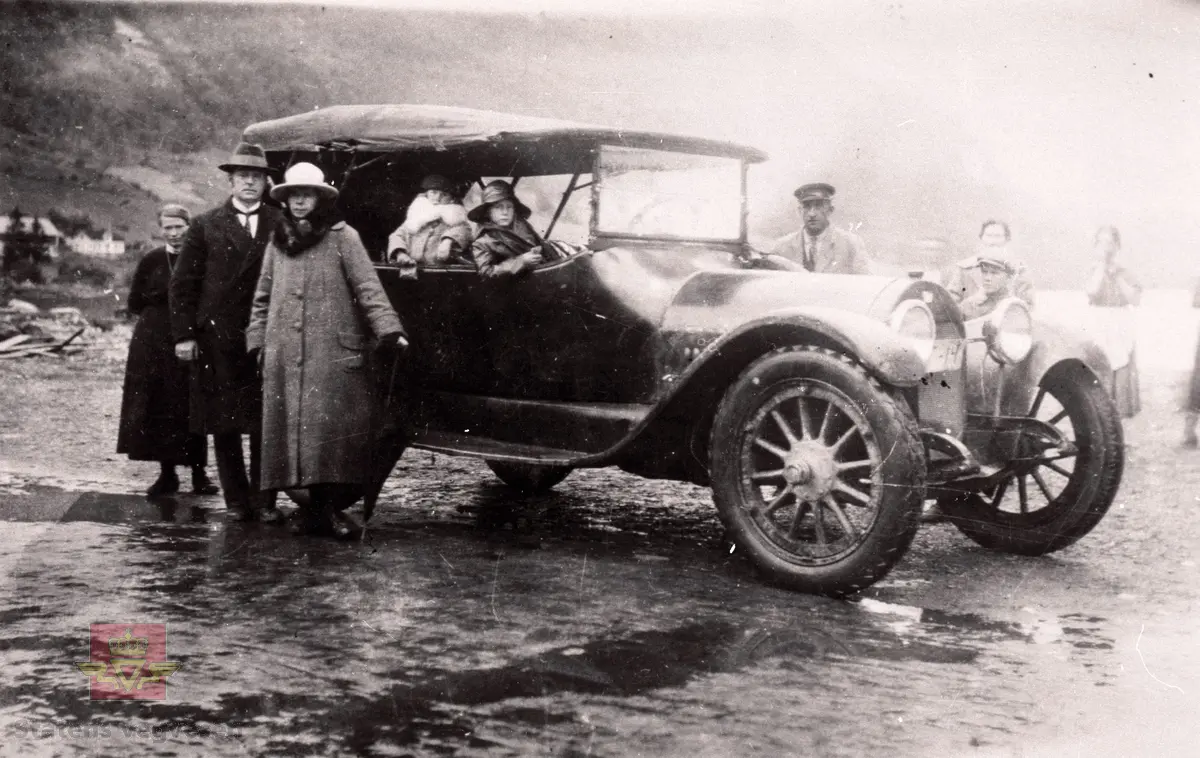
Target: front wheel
(817, 471)
(528, 477)
(1052, 498)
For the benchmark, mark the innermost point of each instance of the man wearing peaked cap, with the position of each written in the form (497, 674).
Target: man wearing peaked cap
(819, 246)
(211, 293)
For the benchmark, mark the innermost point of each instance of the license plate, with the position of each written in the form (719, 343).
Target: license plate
(946, 356)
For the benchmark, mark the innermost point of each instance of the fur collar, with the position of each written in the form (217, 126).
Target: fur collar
(422, 213)
(294, 237)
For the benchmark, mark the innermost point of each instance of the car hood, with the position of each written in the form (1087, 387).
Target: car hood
(718, 301)
(697, 288)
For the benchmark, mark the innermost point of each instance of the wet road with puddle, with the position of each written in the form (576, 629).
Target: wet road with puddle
(607, 619)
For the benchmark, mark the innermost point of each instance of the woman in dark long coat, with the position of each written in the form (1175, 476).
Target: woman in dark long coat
(318, 301)
(154, 406)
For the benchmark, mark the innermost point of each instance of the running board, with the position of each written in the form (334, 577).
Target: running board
(495, 450)
(578, 428)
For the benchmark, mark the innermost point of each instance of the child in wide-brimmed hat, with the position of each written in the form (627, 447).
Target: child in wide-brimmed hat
(435, 228)
(505, 245)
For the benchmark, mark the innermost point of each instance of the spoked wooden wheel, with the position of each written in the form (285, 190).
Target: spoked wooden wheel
(817, 471)
(1053, 494)
(811, 476)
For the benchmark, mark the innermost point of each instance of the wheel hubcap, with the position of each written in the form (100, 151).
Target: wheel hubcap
(1043, 475)
(811, 470)
(811, 478)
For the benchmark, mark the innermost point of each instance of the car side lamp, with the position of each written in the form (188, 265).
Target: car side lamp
(1008, 332)
(914, 319)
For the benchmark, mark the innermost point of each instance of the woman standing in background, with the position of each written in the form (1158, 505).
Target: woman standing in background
(154, 404)
(1113, 292)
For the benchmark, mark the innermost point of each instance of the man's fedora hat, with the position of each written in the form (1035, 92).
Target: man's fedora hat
(245, 155)
(303, 176)
(814, 191)
(493, 193)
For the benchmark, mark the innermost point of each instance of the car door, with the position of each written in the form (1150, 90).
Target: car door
(449, 339)
(557, 334)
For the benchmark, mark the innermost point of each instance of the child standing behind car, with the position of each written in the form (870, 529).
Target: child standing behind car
(995, 274)
(505, 245)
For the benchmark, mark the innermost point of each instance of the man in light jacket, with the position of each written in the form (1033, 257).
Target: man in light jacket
(819, 246)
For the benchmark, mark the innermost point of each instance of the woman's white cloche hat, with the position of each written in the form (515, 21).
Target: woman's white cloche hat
(303, 176)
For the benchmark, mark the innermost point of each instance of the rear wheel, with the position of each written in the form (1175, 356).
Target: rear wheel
(528, 477)
(817, 472)
(1053, 498)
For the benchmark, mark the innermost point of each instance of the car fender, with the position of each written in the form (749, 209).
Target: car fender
(1054, 345)
(885, 354)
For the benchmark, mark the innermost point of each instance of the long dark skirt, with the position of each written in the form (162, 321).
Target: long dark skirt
(1126, 393)
(1193, 396)
(154, 405)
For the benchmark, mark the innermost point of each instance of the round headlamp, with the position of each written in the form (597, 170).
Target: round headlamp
(1009, 331)
(914, 320)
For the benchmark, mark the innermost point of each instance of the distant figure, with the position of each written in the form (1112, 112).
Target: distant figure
(154, 403)
(506, 244)
(819, 246)
(994, 236)
(995, 284)
(211, 292)
(1192, 406)
(1113, 292)
(435, 228)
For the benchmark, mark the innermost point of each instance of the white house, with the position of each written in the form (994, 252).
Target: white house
(105, 247)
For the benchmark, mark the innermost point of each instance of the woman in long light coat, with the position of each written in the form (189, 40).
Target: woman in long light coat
(317, 303)
(1114, 291)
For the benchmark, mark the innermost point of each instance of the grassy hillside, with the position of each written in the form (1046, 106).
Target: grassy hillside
(109, 108)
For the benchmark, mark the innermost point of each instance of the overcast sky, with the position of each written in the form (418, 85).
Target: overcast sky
(1081, 110)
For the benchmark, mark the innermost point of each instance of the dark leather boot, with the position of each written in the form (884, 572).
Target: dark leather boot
(305, 523)
(340, 528)
(166, 484)
(201, 484)
(264, 505)
(238, 512)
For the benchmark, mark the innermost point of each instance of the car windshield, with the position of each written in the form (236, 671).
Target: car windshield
(655, 193)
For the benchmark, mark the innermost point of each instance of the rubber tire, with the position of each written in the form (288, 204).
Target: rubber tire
(903, 469)
(1082, 503)
(528, 477)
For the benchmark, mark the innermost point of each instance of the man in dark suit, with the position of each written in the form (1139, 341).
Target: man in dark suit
(211, 293)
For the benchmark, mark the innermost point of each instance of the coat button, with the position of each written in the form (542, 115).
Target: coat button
(298, 326)
(299, 294)
(299, 361)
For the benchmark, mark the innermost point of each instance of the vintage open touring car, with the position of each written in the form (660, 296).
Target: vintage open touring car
(822, 410)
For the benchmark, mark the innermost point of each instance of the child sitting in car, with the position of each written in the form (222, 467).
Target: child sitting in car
(505, 245)
(995, 274)
(435, 229)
